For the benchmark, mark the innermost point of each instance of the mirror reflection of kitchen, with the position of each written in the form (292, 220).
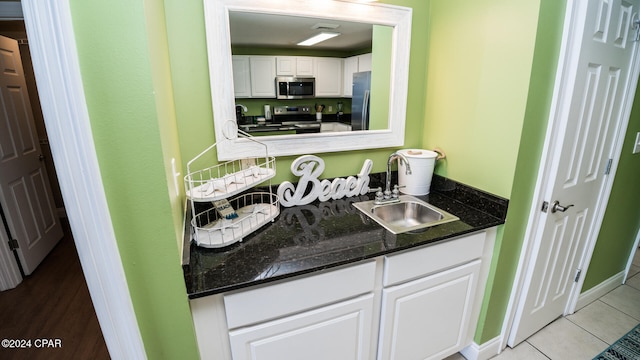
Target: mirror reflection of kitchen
(284, 88)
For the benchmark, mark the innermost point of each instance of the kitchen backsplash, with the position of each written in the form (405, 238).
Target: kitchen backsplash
(255, 107)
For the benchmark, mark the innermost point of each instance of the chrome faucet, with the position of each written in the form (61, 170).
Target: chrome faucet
(388, 195)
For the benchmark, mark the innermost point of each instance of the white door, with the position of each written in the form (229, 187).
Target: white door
(25, 194)
(585, 142)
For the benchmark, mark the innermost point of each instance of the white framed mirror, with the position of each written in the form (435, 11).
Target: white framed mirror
(217, 22)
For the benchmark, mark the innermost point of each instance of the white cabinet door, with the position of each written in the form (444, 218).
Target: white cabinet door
(364, 62)
(263, 75)
(304, 66)
(353, 65)
(350, 67)
(334, 127)
(339, 331)
(429, 318)
(294, 66)
(328, 77)
(286, 65)
(241, 76)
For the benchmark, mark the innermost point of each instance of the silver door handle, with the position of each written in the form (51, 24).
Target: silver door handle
(557, 207)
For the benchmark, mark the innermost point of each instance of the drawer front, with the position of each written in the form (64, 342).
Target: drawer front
(420, 262)
(289, 297)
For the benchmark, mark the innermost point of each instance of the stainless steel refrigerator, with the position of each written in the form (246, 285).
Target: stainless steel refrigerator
(360, 100)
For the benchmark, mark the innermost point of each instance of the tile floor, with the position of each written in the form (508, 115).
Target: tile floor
(586, 333)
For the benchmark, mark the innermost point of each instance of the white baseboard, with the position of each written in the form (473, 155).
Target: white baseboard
(599, 290)
(482, 352)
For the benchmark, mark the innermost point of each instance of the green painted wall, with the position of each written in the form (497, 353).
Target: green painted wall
(478, 76)
(622, 218)
(506, 256)
(163, 91)
(381, 77)
(128, 94)
(478, 85)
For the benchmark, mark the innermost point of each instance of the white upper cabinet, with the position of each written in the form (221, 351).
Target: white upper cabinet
(353, 65)
(294, 66)
(286, 65)
(364, 62)
(350, 67)
(328, 77)
(254, 76)
(304, 66)
(263, 75)
(241, 76)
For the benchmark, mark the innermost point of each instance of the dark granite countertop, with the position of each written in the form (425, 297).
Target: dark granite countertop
(321, 235)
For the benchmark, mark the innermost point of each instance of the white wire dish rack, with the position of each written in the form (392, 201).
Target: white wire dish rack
(227, 179)
(240, 215)
(210, 229)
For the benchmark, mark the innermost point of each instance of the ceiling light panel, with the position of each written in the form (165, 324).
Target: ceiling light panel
(323, 36)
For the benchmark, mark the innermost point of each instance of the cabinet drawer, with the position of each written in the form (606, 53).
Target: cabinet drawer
(292, 296)
(420, 262)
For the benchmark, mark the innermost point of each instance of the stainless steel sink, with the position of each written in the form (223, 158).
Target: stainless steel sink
(408, 214)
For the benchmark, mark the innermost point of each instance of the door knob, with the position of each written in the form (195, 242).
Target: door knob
(557, 207)
(41, 157)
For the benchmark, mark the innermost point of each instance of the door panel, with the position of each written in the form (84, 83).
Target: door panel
(585, 143)
(25, 193)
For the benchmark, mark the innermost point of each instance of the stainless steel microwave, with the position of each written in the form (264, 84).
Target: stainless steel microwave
(288, 87)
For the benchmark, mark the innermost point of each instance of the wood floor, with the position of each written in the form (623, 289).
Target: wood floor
(52, 304)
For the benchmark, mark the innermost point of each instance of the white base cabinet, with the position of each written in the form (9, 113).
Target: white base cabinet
(421, 303)
(334, 127)
(339, 331)
(429, 318)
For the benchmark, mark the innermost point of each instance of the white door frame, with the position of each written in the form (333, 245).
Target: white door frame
(57, 71)
(565, 78)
